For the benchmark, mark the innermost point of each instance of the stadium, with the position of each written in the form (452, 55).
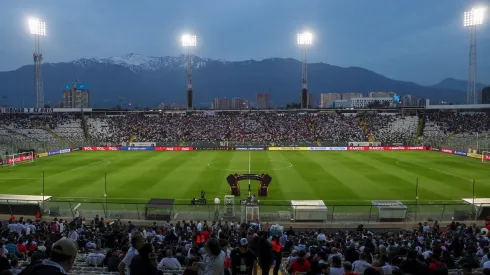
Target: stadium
(360, 185)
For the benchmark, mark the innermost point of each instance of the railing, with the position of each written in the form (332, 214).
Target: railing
(267, 213)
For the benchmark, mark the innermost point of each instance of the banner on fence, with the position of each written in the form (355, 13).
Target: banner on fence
(250, 148)
(173, 148)
(19, 159)
(125, 148)
(434, 149)
(214, 148)
(99, 148)
(460, 153)
(327, 148)
(473, 155)
(385, 148)
(288, 148)
(142, 144)
(447, 151)
(43, 155)
(76, 149)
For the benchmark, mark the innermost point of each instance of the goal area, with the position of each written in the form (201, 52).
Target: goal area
(16, 159)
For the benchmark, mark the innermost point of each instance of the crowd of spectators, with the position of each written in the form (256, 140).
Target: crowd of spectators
(257, 127)
(226, 247)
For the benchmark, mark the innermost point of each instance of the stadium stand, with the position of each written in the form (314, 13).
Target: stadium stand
(103, 244)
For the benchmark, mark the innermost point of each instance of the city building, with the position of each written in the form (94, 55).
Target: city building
(381, 94)
(339, 103)
(364, 102)
(311, 104)
(76, 95)
(351, 95)
(327, 100)
(262, 101)
(239, 103)
(221, 104)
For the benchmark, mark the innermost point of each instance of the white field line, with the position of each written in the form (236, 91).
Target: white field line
(426, 167)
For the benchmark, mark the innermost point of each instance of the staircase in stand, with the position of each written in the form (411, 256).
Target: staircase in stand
(56, 136)
(85, 128)
(366, 129)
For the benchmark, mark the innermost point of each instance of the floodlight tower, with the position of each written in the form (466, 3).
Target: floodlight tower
(472, 18)
(189, 42)
(38, 29)
(304, 40)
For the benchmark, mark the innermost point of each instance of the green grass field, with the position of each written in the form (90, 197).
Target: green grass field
(335, 177)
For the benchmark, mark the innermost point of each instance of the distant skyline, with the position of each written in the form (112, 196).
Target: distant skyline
(420, 41)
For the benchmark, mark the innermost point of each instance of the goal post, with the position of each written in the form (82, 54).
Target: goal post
(16, 159)
(485, 156)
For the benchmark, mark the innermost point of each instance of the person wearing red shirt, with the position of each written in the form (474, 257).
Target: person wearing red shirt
(38, 216)
(205, 235)
(22, 247)
(300, 264)
(12, 218)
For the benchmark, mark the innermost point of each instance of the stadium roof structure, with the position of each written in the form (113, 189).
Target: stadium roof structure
(458, 106)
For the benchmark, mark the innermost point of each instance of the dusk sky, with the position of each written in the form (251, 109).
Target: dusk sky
(420, 40)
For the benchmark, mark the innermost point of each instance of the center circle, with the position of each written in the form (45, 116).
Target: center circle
(216, 165)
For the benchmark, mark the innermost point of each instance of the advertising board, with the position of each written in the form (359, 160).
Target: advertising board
(288, 148)
(100, 148)
(249, 148)
(173, 148)
(473, 155)
(125, 148)
(217, 148)
(43, 155)
(327, 148)
(385, 148)
(142, 144)
(459, 153)
(447, 151)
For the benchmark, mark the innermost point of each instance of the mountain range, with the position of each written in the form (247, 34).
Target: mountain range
(148, 81)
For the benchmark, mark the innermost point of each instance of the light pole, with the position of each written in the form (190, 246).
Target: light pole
(472, 18)
(188, 42)
(304, 40)
(38, 29)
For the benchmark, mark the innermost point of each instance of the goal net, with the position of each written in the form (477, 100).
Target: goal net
(16, 159)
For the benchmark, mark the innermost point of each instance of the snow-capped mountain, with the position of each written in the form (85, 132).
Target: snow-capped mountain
(141, 63)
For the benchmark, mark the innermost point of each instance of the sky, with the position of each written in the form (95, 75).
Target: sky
(419, 40)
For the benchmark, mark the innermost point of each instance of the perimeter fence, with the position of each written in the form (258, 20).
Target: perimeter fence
(266, 212)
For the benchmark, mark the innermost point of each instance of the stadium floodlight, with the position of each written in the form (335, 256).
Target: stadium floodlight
(189, 40)
(305, 38)
(37, 27)
(472, 19)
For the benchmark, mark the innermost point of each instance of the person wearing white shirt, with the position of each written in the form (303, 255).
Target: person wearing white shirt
(137, 241)
(199, 226)
(73, 235)
(426, 254)
(12, 227)
(360, 265)
(334, 253)
(485, 257)
(90, 245)
(321, 237)
(169, 262)
(95, 259)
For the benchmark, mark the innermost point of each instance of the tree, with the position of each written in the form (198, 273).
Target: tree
(293, 106)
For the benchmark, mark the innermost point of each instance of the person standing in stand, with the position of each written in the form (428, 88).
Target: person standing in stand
(243, 260)
(276, 254)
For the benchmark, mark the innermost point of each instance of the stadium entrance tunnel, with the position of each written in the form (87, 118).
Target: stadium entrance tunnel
(264, 179)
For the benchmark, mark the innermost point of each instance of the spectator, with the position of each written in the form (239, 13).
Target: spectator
(61, 260)
(300, 264)
(336, 268)
(169, 262)
(360, 265)
(15, 267)
(214, 262)
(137, 242)
(243, 260)
(113, 262)
(145, 263)
(413, 266)
(348, 268)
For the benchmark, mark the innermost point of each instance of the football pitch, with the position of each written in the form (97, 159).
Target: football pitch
(338, 178)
